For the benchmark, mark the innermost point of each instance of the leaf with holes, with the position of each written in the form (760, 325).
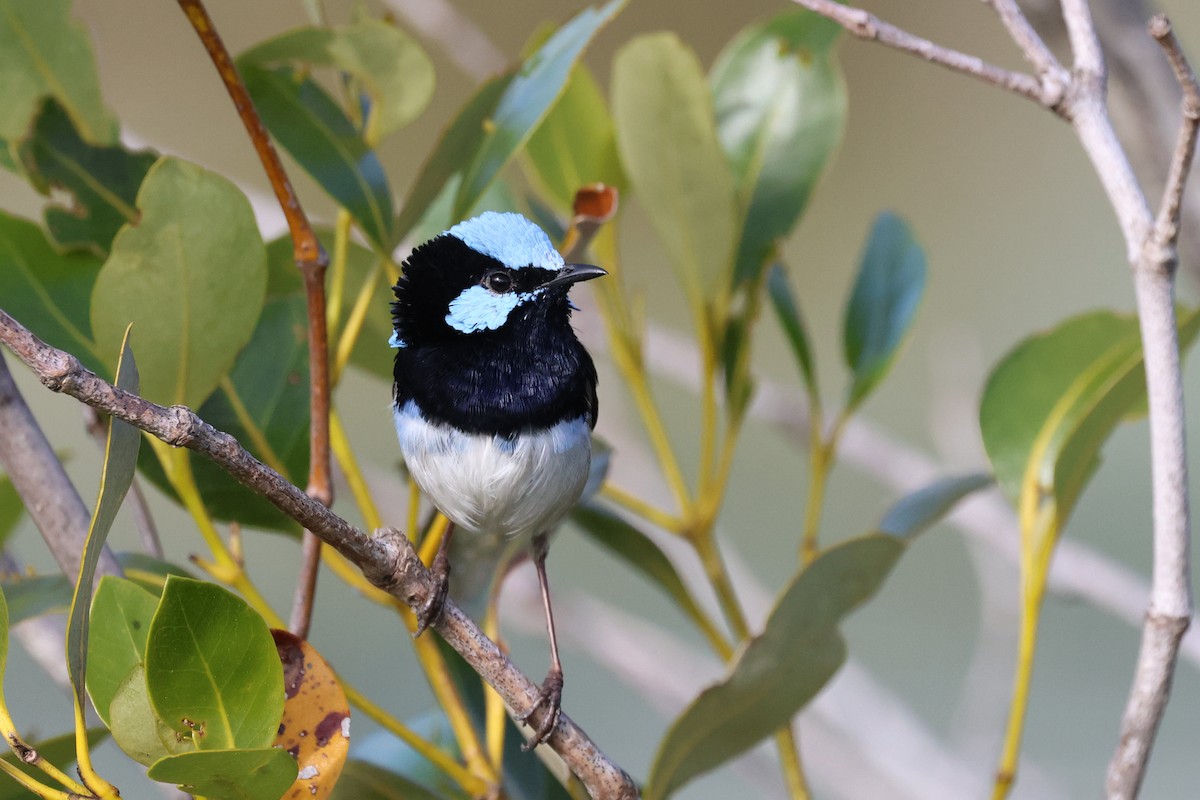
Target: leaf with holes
(212, 669)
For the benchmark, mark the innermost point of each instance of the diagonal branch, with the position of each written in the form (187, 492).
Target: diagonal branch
(867, 26)
(387, 559)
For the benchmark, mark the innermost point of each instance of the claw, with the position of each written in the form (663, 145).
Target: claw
(550, 699)
(431, 609)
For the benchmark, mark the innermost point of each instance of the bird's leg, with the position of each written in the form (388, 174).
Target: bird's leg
(550, 696)
(431, 609)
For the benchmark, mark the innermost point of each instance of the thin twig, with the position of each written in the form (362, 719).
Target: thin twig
(1030, 43)
(40, 480)
(868, 26)
(311, 260)
(387, 559)
(1166, 224)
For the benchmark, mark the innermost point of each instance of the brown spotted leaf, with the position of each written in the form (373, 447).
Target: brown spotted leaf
(316, 718)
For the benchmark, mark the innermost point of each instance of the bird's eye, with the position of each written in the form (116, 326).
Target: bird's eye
(498, 281)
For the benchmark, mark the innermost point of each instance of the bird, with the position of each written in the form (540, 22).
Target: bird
(494, 400)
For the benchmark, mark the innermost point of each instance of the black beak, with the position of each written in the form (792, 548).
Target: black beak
(573, 273)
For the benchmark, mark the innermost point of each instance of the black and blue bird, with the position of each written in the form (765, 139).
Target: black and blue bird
(495, 397)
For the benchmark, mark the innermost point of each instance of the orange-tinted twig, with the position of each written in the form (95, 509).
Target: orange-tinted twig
(311, 260)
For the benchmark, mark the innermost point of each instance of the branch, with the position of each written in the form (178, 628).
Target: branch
(868, 26)
(387, 559)
(46, 491)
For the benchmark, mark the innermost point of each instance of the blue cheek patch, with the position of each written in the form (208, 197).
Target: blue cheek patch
(510, 239)
(396, 341)
(478, 308)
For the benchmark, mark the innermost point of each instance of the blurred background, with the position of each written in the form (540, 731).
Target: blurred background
(1018, 237)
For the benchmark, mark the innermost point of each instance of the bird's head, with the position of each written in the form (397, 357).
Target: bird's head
(495, 273)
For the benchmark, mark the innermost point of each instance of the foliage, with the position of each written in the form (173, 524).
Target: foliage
(186, 674)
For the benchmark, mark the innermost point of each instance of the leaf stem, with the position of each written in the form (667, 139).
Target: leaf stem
(789, 758)
(647, 511)
(1033, 592)
(40, 789)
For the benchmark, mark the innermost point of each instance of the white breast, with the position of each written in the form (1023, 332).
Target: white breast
(499, 486)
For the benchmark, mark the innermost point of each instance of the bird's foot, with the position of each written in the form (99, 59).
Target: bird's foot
(429, 611)
(550, 699)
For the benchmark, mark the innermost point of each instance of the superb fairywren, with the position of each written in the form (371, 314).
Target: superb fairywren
(495, 398)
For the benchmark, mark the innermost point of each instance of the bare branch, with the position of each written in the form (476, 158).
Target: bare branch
(1166, 224)
(1085, 44)
(868, 26)
(48, 494)
(1027, 39)
(387, 559)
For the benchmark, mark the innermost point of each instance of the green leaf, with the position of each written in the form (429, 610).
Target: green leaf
(915, 512)
(781, 107)
(123, 611)
(45, 52)
(396, 73)
(212, 668)
(49, 292)
(190, 276)
(639, 552)
(59, 751)
(11, 509)
(102, 181)
(667, 138)
(260, 774)
(362, 780)
(456, 147)
(1051, 404)
(883, 304)
(576, 145)
(527, 98)
(790, 318)
(32, 596)
(136, 728)
(307, 122)
(116, 476)
(780, 670)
